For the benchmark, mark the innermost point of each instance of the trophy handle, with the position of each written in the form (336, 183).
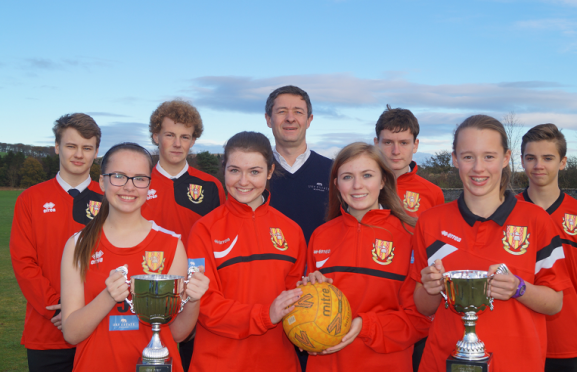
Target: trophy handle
(124, 271)
(191, 271)
(446, 300)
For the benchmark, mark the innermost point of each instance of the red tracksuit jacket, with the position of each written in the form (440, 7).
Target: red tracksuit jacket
(250, 258)
(369, 262)
(562, 327)
(416, 193)
(45, 217)
(177, 204)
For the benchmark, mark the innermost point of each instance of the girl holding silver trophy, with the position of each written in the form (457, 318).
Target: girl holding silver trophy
(95, 315)
(482, 230)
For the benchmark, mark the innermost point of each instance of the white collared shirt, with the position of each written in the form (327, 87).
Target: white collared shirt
(167, 175)
(300, 160)
(67, 187)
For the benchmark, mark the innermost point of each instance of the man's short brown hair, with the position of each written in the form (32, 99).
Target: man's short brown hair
(545, 132)
(397, 120)
(181, 112)
(83, 123)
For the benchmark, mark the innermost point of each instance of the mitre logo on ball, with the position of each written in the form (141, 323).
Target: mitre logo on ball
(320, 319)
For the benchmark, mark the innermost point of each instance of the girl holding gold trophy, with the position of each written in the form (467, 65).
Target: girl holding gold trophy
(94, 313)
(486, 227)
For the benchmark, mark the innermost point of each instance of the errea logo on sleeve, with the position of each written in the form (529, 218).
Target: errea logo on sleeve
(151, 194)
(49, 207)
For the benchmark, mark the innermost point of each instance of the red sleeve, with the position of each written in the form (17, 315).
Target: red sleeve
(221, 194)
(419, 252)
(395, 330)
(550, 266)
(35, 287)
(440, 197)
(311, 261)
(298, 269)
(222, 316)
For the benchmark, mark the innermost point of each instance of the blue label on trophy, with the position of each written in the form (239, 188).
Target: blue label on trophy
(196, 262)
(123, 323)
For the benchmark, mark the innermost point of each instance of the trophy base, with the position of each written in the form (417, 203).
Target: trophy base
(144, 366)
(459, 365)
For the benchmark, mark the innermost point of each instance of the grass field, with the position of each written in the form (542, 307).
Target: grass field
(12, 302)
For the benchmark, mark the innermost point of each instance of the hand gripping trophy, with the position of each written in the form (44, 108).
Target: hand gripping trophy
(466, 294)
(156, 300)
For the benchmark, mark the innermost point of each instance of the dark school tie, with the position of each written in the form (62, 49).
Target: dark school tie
(73, 192)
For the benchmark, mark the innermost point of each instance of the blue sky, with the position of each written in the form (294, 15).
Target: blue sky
(443, 60)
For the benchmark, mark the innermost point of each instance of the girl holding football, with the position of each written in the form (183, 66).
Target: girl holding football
(365, 250)
(487, 226)
(94, 314)
(254, 256)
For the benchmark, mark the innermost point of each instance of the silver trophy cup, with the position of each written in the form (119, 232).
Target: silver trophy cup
(157, 300)
(466, 294)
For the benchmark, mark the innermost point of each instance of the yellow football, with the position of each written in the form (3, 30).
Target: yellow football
(320, 319)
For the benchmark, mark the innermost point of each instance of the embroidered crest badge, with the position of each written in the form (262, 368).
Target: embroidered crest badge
(383, 252)
(516, 239)
(93, 209)
(277, 238)
(195, 193)
(153, 262)
(412, 201)
(570, 223)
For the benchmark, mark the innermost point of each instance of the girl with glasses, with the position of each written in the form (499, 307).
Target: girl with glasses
(95, 316)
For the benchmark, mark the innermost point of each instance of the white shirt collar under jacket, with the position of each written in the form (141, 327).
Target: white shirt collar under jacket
(167, 175)
(300, 160)
(67, 187)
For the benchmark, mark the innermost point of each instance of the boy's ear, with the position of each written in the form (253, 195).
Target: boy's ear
(563, 163)
(416, 147)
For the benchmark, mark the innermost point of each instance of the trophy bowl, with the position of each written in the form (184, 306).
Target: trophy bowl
(156, 300)
(466, 294)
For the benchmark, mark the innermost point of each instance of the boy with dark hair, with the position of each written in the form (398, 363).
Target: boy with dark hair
(45, 217)
(543, 155)
(179, 194)
(397, 131)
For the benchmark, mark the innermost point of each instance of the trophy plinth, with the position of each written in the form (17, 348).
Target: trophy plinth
(458, 365)
(466, 294)
(156, 300)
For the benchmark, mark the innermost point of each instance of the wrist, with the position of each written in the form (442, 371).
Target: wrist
(521, 288)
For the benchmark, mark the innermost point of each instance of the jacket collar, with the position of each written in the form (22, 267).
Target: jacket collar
(412, 171)
(244, 210)
(372, 217)
(499, 216)
(553, 206)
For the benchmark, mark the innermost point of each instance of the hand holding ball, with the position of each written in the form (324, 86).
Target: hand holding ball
(320, 319)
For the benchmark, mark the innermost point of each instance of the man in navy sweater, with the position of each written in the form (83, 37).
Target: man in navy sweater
(300, 185)
(300, 188)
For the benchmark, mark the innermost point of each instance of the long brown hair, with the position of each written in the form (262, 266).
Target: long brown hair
(388, 195)
(487, 122)
(90, 235)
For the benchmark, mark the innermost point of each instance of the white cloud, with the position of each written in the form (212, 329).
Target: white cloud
(332, 94)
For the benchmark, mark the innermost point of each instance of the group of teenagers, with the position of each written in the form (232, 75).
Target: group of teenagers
(365, 222)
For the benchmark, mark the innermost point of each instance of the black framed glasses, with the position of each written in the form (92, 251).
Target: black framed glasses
(119, 179)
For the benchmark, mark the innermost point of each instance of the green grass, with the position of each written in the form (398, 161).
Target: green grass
(12, 303)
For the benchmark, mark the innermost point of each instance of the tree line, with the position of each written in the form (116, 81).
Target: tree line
(439, 170)
(20, 170)
(23, 169)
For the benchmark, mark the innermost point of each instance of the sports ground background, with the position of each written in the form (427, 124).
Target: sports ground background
(12, 303)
